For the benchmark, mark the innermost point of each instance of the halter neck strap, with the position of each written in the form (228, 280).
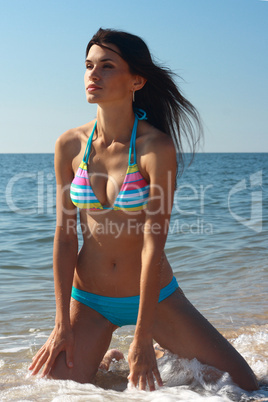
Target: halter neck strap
(139, 115)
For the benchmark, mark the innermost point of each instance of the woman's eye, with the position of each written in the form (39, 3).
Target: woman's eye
(90, 66)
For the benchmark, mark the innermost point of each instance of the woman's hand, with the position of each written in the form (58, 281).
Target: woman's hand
(61, 339)
(143, 366)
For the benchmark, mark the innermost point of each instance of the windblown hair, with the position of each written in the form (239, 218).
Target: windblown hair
(167, 109)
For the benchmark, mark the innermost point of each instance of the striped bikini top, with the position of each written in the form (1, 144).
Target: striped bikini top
(134, 193)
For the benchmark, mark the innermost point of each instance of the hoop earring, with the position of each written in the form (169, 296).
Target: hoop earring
(133, 96)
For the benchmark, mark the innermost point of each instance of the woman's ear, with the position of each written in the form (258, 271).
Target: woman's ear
(138, 83)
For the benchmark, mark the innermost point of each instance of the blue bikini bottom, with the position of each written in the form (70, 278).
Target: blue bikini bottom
(119, 310)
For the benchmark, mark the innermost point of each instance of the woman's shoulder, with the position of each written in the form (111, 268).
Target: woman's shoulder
(72, 141)
(155, 149)
(154, 141)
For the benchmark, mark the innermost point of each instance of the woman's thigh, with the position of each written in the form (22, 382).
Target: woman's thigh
(92, 337)
(181, 329)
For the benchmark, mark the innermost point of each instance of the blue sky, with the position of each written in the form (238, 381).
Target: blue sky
(218, 47)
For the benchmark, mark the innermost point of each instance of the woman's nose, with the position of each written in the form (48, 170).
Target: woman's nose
(93, 74)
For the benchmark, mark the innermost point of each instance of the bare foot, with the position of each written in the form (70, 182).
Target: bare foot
(158, 350)
(115, 354)
(112, 354)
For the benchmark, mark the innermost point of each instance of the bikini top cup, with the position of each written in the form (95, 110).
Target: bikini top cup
(134, 193)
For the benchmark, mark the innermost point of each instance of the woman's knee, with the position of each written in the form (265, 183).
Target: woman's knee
(83, 371)
(92, 336)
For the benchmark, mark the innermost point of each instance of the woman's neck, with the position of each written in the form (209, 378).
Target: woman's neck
(115, 123)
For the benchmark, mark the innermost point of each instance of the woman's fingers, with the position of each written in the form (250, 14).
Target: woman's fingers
(143, 379)
(44, 356)
(150, 379)
(37, 356)
(49, 363)
(158, 377)
(142, 382)
(58, 341)
(133, 378)
(38, 362)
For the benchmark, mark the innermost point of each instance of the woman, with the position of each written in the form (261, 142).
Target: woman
(123, 189)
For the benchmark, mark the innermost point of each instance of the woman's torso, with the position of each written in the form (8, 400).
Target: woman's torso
(109, 262)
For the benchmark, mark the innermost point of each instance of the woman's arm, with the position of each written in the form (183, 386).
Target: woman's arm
(64, 261)
(65, 240)
(161, 167)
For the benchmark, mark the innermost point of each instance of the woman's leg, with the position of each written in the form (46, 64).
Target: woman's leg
(92, 333)
(181, 329)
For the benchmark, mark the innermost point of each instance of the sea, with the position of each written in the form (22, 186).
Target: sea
(217, 246)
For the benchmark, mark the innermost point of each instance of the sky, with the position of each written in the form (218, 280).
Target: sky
(219, 48)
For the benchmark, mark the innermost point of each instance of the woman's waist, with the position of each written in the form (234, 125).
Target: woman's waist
(115, 277)
(109, 251)
(106, 270)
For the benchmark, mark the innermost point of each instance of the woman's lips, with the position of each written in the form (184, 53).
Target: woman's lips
(92, 88)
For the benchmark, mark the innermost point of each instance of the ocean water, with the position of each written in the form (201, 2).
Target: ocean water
(217, 245)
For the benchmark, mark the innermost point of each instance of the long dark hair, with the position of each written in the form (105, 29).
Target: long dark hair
(167, 109)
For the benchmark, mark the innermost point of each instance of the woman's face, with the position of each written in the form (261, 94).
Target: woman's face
(107, 76)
